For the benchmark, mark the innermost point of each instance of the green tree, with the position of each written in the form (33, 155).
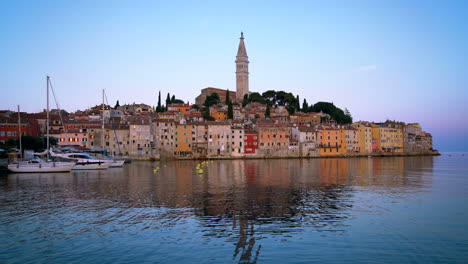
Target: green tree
(178, 101)
(336, 113)
(245, 100)
(158, 108)
(270, 97)
(196, 107)
(173, 99)
(116, 104)
(168, 101)
(305, 106)
(212, 99)
(256, 97)
(297, 103)
(267, 111)
(230, 114)
(206, 114)
(227, 97)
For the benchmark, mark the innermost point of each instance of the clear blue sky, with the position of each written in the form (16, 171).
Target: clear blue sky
(382, 60)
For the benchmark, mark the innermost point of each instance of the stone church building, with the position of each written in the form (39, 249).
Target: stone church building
(242, 79)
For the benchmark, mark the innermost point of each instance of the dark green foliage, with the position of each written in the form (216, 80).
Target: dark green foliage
(177, 101)
(270, 97)
(173, 98)
(206, 114)
(291, 109)
(336, 113)
(212, 99)
(245, 100)
(195, 107)
(267, 111)
(116, 104)
(159, 107)
(227, 97)
(230, 114)
(297, 103)
(256, 97)
(31, 143)
(305, 106)
(168, 100)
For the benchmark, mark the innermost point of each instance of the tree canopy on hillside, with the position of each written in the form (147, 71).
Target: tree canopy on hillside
(340, 116)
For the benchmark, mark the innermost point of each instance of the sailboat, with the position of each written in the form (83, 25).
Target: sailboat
(115, 161)
(37, 164)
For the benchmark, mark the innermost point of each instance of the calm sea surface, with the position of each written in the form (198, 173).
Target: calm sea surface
(361, 210)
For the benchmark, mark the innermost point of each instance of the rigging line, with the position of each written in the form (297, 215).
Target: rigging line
(112, 124)
(57, 104)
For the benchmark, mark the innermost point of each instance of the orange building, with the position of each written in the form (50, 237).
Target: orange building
(330, 141)
(273, 136)
(183, 140)
(218, 113)
(182, 108)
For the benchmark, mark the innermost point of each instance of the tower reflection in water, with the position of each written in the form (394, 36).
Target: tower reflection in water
(242, 201)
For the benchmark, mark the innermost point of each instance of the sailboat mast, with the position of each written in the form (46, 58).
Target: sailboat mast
(102, 140)
(47, 130)
(19, 133)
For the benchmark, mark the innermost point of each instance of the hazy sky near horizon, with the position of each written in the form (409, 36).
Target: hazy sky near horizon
(398, 60)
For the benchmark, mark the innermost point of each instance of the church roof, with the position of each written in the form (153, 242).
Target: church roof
(241, 52)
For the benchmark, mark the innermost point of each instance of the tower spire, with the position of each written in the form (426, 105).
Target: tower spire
(242, 70)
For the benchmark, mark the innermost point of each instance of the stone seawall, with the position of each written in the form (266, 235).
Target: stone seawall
(346, 155)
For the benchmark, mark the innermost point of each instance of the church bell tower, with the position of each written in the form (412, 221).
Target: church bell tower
(242, 70)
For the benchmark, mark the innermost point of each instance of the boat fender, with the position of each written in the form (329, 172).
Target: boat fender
(40, 165)
(53, 164)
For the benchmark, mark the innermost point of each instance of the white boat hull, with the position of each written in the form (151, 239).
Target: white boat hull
(117, 163)
(41, 167)
(92, 165)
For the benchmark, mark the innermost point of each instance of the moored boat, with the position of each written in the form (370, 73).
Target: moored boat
(39, 165)
(84, 161)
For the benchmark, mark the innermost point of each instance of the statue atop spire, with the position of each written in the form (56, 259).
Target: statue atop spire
(242, 70)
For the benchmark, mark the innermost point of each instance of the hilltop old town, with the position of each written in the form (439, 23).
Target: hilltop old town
(222, 124)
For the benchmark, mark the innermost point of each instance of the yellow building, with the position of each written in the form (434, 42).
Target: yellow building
(183, 140)
(388, 136)
(364, 136)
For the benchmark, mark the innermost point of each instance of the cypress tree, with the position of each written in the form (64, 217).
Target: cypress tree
(173, 99)
(227, 97)
(230, 114)
(267, 111)
(158, 108)
(297, 104)
(305, 106)
(168, 101)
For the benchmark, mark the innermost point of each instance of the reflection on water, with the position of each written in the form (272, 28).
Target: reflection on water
(241, 206)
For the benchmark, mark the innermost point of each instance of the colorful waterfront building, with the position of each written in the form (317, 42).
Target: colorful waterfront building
(330, 141)
(183, 140)
(163, 130)
(237, 140)
(250, 142)
(273, 138)
(73, 137)
(307, 140)
(364, 136)
(219, 144)
(389, 136)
